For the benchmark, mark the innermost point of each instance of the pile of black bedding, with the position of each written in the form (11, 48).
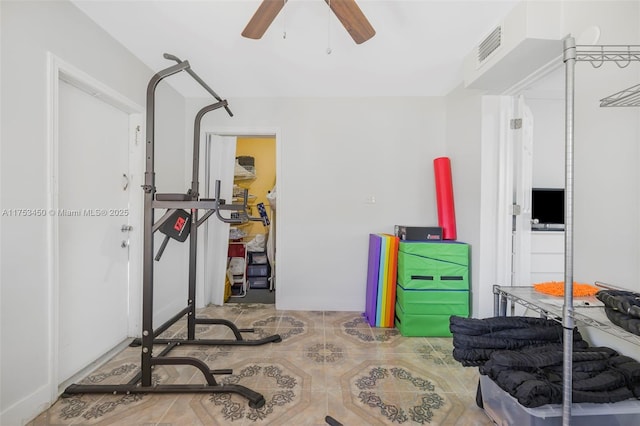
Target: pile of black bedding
(474, 340)
(622, 308)
(524, 357)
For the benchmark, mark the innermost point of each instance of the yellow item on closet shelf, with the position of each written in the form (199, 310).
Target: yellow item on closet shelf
(556, 288)
(227, 288)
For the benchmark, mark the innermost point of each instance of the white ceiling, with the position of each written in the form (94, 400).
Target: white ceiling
(418, 48)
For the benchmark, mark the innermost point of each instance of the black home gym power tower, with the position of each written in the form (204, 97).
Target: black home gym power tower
(176, 223)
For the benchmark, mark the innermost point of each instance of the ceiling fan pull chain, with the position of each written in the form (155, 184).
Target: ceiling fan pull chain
(284, 21)
(329, 29)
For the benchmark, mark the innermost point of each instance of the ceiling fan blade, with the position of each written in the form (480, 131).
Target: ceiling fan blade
(264, 16)
(352, 19)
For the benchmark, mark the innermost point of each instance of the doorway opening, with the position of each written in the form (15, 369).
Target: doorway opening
(538, 162)
(241, 258)
(252, 244)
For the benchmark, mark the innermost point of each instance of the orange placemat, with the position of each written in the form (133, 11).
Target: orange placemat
(556, 288)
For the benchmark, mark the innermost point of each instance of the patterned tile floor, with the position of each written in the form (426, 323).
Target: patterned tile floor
(328, 363)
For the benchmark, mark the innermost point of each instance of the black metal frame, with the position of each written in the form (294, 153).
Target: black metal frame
(142, 382)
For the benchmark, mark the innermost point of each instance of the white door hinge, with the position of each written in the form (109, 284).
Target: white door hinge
(137, 134)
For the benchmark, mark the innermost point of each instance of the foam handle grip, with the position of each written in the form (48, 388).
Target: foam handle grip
(444, 198)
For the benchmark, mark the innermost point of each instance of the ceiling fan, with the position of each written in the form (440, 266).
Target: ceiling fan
(347, 12)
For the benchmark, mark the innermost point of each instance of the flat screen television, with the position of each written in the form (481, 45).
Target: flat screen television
(547, 209)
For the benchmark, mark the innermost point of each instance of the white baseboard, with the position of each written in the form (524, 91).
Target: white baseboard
(31, 406)
(28, 408)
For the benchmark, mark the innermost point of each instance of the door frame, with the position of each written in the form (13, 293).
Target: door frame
(522, 185)
(58, 69)
(505, 195)
(508, 189)
(217, 293)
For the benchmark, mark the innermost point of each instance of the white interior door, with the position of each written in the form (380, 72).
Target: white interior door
(93, 196)
(219, 165)
(522, 177)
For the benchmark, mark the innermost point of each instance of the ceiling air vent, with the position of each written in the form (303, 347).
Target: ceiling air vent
(489, 44)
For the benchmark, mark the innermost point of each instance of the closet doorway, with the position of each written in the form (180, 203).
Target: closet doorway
(537, 162)
(241, 258)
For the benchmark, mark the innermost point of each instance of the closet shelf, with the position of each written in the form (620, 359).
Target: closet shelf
(240, 198)
(586, 310)
(244, 172)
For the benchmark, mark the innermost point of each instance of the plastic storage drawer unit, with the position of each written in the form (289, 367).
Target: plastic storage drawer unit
(258, 258)
(505, 410)
(257, 270)
(258, 282)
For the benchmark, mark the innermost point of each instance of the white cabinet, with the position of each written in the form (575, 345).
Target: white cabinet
(547, 256)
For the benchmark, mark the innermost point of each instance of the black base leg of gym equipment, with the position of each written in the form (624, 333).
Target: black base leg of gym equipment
(256, 400)
(238, 339)
(222, 342)
(333, 422)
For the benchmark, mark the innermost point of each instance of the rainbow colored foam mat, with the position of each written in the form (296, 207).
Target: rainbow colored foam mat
(381, 280)
(372, 279)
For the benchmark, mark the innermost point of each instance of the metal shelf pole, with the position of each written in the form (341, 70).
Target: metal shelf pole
(567, 316)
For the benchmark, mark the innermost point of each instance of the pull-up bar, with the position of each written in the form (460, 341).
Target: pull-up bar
(198, 79)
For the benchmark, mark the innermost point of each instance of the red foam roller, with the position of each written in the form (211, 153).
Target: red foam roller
(444, 198)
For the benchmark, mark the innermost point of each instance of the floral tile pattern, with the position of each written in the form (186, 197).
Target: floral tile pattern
(327, 364)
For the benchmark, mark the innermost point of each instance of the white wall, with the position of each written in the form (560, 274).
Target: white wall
(548, 142)
(545, 99)
(28, 31)
(172, 176)
(464, 147)
(336, 152)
